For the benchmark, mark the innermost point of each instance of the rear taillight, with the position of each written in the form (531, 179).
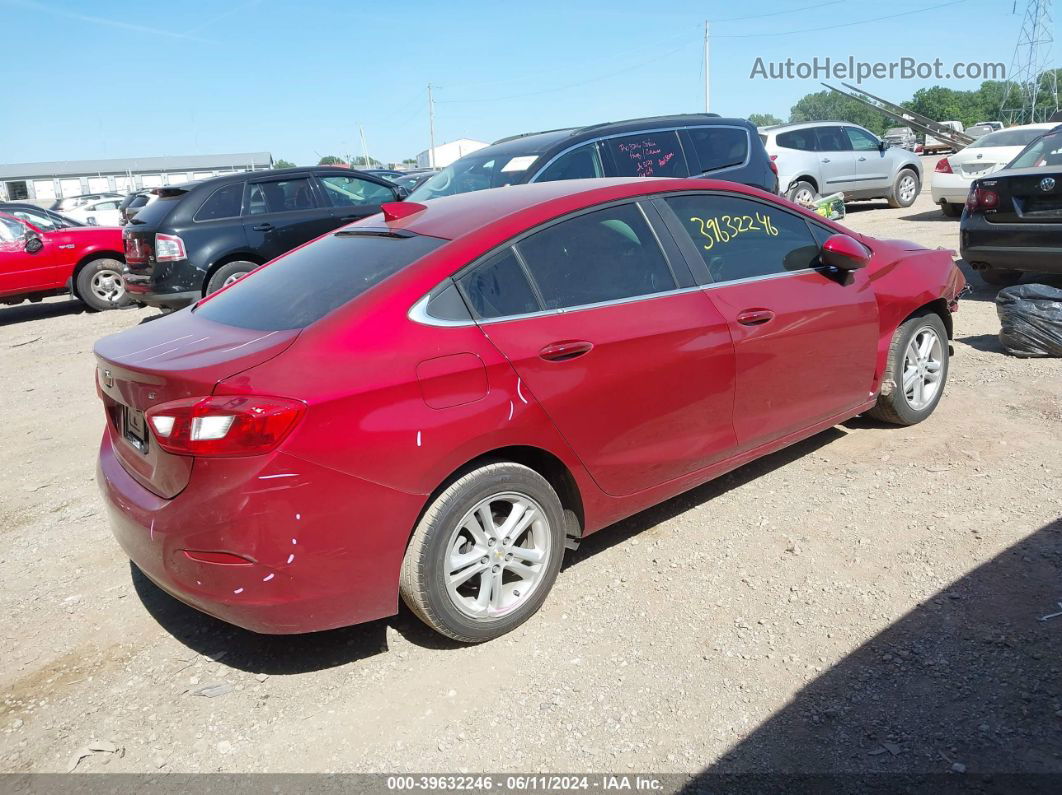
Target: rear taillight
(134, 250)
(224, 425)
(773, 165)
(168, 248)
(981, 199)
(943, 166)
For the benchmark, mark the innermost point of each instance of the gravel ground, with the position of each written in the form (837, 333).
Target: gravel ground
(866, 600)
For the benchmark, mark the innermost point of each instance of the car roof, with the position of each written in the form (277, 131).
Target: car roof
(260, 174)
(536, 143)
(453, 216)
(803, 125)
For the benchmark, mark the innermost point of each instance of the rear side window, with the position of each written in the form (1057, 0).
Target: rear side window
(280, 196)
(604, 255)
(499, 288)
(803, 140)
(719, 147)
(305, 285)
(651, 154)
(743, 239)
(225, 202)
(581, 163)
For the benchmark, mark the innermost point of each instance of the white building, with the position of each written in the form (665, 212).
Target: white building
(43, 182)
(447, 153)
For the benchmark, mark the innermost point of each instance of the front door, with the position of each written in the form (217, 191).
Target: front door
(22, 271)
(281, 214)
(632, 364)
(353, 198)
(805, 341)
(872, 162)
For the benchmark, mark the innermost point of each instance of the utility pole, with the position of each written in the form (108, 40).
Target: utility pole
(431, 129)
(364, 148)
(707, 71)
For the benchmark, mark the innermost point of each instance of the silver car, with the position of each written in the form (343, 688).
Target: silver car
(824, 157)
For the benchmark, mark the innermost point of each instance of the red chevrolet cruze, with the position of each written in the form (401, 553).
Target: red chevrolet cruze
(436, 401)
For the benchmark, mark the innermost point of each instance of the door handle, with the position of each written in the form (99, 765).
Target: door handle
(262, 227)
(755, 317)
(862, 159)
(825, 160)
(562, 351)
(348, 218)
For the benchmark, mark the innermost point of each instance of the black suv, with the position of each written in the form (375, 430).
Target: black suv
(197, 237)
(689, 145)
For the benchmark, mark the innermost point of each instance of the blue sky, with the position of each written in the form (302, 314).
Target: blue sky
(120, 78)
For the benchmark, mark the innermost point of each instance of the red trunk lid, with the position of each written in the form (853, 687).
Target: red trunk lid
(179, 356)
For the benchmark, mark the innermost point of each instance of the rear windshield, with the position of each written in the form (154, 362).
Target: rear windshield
(155, 212)
(1008, 138)
(1046, 151)
(302, 287)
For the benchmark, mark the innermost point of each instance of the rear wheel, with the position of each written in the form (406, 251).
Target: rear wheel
(99, 285)
(916, 371)
(904, 189)
(803, 193)
(951, 209)
(485, 554)
(1000, 278)
(229, 273)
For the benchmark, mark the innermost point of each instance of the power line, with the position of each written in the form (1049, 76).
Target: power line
(835, 27)
(779, 13)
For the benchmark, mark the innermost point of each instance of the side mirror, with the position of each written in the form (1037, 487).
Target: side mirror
(401, 192)
(883, 145)
(844, 253)
(33, 245)
(91, 221)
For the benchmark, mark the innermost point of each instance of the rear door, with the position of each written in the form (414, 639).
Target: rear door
(352, 198)
(280, 214)
(805, 342)
(873, 166)
(609, 335)
(837, 161)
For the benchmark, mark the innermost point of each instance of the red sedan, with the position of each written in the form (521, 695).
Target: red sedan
(84, 260)
(435, 402)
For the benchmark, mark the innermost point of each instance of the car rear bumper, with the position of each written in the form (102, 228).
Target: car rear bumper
(1032, 248)
(951, 188)
(168, 285)
(316, 549)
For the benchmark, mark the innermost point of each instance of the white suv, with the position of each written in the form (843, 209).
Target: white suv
(823, 157)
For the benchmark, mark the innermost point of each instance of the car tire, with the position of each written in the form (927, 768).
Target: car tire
(228, 273)
(905, 189)
(802, 192)
(919, 350)
(999, 277)
(951, 209)
(99, 285)
(452, 538)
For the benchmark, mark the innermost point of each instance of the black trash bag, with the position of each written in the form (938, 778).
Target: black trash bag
(1030, 318)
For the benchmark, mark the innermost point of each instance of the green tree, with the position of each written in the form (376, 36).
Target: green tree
(764, 119)
(360, 162)
(409, 161)
(282, 163)
(946, 104)
(330, 160)
(831, 106)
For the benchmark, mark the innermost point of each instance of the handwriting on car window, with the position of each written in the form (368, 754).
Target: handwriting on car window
(722, 229)
(646, 154)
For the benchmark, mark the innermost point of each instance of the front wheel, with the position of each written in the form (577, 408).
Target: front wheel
(905, 189)
(916, 371)
(99, 285)
(485, 554)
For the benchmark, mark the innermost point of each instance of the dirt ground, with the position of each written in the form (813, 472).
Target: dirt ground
(868, 600)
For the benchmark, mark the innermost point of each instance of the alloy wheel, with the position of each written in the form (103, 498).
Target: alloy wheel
(497, 555)
(107, 285)
(923, 364)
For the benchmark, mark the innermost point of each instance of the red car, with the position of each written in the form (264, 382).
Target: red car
(435, 402)
(84, 260)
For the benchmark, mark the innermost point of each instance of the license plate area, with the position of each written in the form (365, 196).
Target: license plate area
(134, 428)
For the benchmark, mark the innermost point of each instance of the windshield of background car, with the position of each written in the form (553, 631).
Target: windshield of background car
(1046, 151)
(1007, 138)
(475, 172)
(302, 287)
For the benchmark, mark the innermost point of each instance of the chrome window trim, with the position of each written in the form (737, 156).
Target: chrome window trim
(748, 149)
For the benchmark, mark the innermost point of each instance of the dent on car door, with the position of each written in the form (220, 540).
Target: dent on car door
(837, 161)
(805, 339)
(636, 372)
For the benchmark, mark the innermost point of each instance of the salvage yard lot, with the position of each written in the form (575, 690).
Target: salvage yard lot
(866, 600)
